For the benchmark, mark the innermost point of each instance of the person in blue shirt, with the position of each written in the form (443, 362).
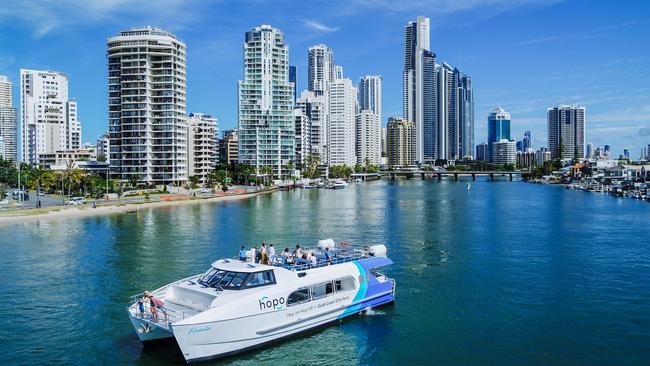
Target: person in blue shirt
(242, 254)
(328, 256)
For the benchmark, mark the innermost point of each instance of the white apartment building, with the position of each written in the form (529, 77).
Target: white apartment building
(202, 149)
(266, 122)
(49, 119)
(147, 106)
(303, 137)
(504, 152)
(368, 134)
(316, 109)
(342, 125)
(321, 69)
(8, 121)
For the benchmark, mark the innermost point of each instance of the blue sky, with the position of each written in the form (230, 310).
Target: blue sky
(525, 55)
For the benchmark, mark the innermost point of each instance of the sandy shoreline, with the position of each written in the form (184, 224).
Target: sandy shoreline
(66, 212)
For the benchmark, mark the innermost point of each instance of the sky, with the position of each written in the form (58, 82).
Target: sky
(523, 55)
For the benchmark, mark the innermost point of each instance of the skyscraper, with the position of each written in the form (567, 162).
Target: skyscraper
(416, 35)
(566, 132)
(590, 151)
(527, 141)
(498, 128)
(293, 79)
(400, 136)
(370, 94)
(321, 69)
(368, 124)
(303, 137)
(439, 99)
(315, 109)
(482, 151)
(202, 146)
(342, 126)
(8, 121)
(49, 118)
(461, 125)
(338, 72)
(368, 135)
(146, 106)
(266, 120)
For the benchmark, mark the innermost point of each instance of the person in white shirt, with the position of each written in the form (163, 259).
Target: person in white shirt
(271, 252)
(312, 258)
(298, 252)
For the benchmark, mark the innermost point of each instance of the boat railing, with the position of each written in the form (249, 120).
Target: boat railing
(349, 254)
(165, 316)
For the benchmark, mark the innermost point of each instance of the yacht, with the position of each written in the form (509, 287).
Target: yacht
(339, 184)
(238, 305)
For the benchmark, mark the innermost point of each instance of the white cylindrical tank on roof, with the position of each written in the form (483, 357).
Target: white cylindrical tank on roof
(377, 250)
(326, 243)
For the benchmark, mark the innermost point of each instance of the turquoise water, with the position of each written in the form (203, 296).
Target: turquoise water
(508, 273)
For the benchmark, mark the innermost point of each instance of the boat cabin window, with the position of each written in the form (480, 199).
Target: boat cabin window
(229, 280)
(322, 290)
(237, 280)
(344, 284)
(260, 279)
(298, 297)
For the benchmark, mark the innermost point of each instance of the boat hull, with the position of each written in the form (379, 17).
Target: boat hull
(227, 338)
(148, 331)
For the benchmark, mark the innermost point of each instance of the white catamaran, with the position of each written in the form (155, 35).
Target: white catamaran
(239, 305)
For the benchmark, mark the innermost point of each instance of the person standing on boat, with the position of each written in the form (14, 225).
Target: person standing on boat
(328, 256)
(242, 254)
(265, 255)
(141, 301)
(271, 252)
(258, 255)
(152, 306)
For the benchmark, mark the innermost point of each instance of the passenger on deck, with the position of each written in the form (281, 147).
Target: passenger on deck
(298, 252)
(328, 255)
(302, 260)
(313, 259)
(141, 301)
(258, 255)
(271, 251)
(265, 255)
(152, 306)
(242, 254)
(286, 254)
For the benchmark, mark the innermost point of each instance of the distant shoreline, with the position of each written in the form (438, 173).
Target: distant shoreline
(65, 212)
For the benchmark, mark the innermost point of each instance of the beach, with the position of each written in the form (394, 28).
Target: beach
(65, 212)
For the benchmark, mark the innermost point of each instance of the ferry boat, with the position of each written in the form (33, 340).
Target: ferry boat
(239, 305)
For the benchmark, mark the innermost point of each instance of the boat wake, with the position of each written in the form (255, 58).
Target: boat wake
(372, 312)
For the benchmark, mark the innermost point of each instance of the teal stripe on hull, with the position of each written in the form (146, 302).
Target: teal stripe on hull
(361, 294)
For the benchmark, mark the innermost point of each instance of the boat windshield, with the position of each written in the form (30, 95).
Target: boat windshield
(218, 278)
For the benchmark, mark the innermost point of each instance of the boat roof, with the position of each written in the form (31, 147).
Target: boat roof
(239, 266)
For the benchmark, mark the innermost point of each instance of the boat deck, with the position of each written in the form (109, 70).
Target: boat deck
(338, 256)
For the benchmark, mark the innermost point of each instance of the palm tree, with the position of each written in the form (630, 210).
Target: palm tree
(38, 178)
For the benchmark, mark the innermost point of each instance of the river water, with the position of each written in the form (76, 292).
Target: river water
(507, 273)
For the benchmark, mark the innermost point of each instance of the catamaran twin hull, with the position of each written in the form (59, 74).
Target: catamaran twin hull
(292, 302)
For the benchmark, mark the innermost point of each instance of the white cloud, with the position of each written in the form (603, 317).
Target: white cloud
(45, 16)
(447, 6)
(320, 27)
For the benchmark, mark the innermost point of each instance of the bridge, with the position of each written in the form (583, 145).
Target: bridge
(423, 174)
